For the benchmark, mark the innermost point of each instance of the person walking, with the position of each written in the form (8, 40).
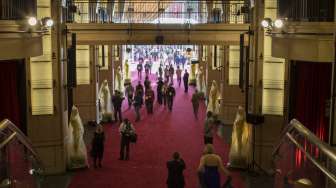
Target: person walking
(160, 71)
(208, 128)
(139, 68)
(117, 100)
(147, 83)
(159, 91)
(185, 81)
(166, 74)
(139, 88)
(138, 102)
(210, 167)
(147, 68)
(165, 93)
(149, 100)
(125, 130)
(97, 149)
(171, 74)
(195, 103)
(178, 75)
(129, 91)
(175, 168)
(170, 96)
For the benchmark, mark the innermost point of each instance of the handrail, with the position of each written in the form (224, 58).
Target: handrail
(297, 127)
(17, 133)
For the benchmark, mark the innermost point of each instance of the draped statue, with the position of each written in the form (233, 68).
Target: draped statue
(241, 144)
(118, 79)
(200, 80)
(214, 95)
(76, 149)
(106, 108)
(127, 75)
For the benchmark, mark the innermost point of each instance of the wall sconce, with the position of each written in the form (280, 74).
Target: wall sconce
(268, 24)
(45, 22)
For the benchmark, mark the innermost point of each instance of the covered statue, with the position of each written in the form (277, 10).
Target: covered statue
(76, 149)
(214, 95)
(200, 80)
(105, 106)
(241, 144)
(118, 79)
(127, 74)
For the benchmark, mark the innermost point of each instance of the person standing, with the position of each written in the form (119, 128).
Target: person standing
(208, 128)
(165, 93)
(97, 149)
(159, 91)
(178, 75)
(185, 81)
(160, 71)
(170, 96)
(117, 102)
(210, 167)
(147, 68)
(129, 90)
(175, 172)
(166, 74)
(139, 68)
(125, 130)
(195, 103)
(149, 100)
(138, 101)
(171, 74)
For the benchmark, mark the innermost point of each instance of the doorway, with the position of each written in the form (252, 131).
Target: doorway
(13, 98)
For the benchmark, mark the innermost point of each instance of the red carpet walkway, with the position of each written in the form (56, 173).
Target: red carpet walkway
(159, 135)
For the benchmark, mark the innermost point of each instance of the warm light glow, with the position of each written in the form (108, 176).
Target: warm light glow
(265, 23)
(32, 21)
(49, 23)
(278, 23)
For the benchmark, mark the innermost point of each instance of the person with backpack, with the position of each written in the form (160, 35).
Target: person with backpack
(126, 130)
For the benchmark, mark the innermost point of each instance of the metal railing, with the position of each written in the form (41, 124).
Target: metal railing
(20, 166)
(316, 155)
(17, 9)
(307, 10)
(168, 11)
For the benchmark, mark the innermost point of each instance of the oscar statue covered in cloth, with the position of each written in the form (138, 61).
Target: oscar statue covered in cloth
(213, 97)
(127, 79)
(76, 149)
(118, 80)
(241, 144)
(200, 81)
(105, 106)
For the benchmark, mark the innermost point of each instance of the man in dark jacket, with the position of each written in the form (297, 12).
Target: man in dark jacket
(185, 81)
(175, 172)
(170, 96)
(139, 88)
(159, 91)
(117, 102)
(138, 101)
(149, 100)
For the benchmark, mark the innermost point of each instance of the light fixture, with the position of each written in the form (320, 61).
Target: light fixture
(266, 23)
(47, 22)
(278, 23)
(32, 21)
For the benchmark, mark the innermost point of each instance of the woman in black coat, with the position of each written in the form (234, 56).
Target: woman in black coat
(97, 150)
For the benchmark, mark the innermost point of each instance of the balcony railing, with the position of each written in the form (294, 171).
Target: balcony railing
(302, 155)
(17, 9)
(307, 10)
(162, 12)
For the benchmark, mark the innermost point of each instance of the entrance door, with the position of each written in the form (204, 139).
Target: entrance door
(13, 92)
(310, 96)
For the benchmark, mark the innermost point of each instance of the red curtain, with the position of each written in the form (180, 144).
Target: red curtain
(9, 100)
(312, 92)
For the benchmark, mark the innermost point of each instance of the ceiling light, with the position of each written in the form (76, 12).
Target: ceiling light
(278, 23)
(32, 21)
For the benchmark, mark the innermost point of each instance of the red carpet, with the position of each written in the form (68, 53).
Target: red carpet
(159, 135)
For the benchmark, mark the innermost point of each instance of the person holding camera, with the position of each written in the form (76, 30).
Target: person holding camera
(126, 131)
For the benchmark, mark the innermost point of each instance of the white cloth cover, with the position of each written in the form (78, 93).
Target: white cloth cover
(76, 149)
(241, 144)
(127, 72)
(200, 80)
(106, 107)
(119, 80)
(213, 105)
